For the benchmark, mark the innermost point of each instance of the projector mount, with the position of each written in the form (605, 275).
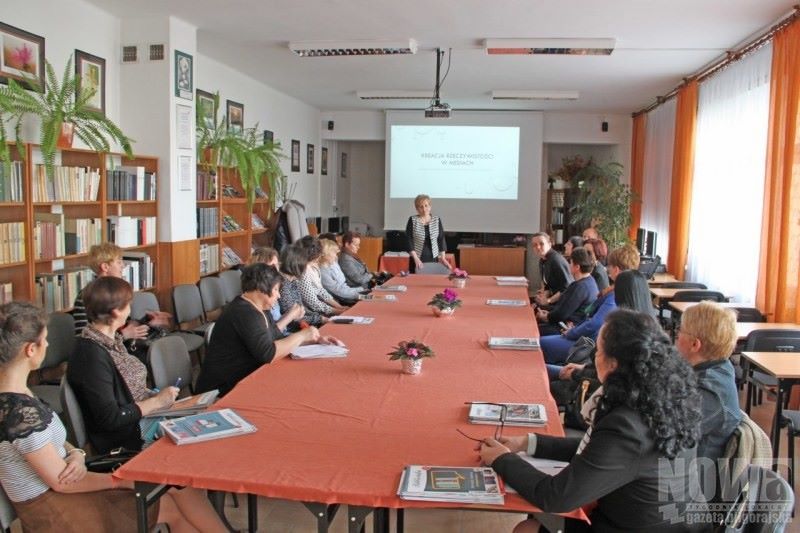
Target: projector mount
(439, 109)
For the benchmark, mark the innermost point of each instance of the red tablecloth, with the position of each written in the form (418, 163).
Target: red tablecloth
(341, 430)
(394, 264)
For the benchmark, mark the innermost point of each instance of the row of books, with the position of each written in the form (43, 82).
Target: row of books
(230, 258)
(139, 270)
(57, 290)
(66, 184)
(131, 231)
(54, 236)
(6, 292)
(209, 258)
(256, 222)
(207, 222)
(12, 242)
(11, 185)
(130, 183)
(206, 185)
(229, 224)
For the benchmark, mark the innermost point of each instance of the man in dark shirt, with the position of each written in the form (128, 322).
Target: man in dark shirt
(575, 300)
(553, 268)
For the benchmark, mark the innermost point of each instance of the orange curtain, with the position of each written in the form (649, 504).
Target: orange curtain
(682, 175)
(779, 269)
(637, 172)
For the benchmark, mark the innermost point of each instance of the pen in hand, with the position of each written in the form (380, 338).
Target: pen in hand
(178, 382)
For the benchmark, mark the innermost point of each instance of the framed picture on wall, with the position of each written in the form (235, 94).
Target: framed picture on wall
(22, 56)
(268, 137)
(184, 76)
(206, 109)
(309, 159)
(295, 155)
(323, 163)
(343, 169)
(90, 73)
(235, 113)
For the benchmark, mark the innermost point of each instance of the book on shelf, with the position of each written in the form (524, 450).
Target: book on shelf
(11, 183)
(127, 183)
(352, 320)
(209, 258)
(209, 425)
(139, 269)
(517, 414)
(319, 351)
(229, 257)
(48, 235)
(514, 343)
(390, 288)
(66, 184)
(379, 297)
(57, 290)
(460, 484)
(256, 222)
(507, 303)
(126, 231)
(206, 185)
(229, 224)
(12, 242)
(207, 222)
(80, 234)
(6, 292)
(187, 406)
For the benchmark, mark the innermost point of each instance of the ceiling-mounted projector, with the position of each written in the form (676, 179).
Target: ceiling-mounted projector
(439, 110)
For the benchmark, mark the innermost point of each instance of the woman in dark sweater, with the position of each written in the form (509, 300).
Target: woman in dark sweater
(641, 440)
(574, 302)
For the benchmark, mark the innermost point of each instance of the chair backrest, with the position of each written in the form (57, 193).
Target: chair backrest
(748, 314)
(773, 340)
(683, 285)
(231, 284)
(698, 295)
(187, 303)
(7, 512)
(648, 268)
(73, 416)
(143, 301)
(169, 360)
(209, 331)
(61, 339)
(212, 295)
(763, 504)
(433, 268)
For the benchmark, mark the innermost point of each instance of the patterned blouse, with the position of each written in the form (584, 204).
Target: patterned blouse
(290, 295)
(313, 292)
(129, 366)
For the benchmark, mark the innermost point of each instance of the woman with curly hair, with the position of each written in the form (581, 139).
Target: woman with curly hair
(645, 428)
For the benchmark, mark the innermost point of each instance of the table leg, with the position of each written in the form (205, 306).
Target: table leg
(776, 425)
(380, 520)
(217, 499)
(324, 514)
(746, 375)
(356, 515)
(146, 494)
(400, 520)
(252, 513)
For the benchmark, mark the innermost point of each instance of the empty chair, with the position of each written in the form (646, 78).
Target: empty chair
(699, 295)
(231, 284)
(72, 416)
(169, 360)
(768, 340)
(433, 268)
(189, 309)
(212, 294)
(61, 343)
(748, 314)
(144, 301)
(648, 268)
(683, 285)
(764, 503)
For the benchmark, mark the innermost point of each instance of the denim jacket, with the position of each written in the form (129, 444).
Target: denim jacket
(721, 414)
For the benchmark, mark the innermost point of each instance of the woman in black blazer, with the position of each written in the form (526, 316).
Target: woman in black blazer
(641, 439)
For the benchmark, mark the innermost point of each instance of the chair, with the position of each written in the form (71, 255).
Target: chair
(144, 301)
(648, 268)
(763, 504)
(212, 295)
(683, 285)
(72, 415)
(231, 284)
(791, 420)
(169, 360)
(699, 295)
(7, 512)
(433, 268)
(61, 344)
(768, 340)
(748, 314)
(189, 309)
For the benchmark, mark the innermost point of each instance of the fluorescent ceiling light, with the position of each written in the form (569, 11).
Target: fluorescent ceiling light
(549, 46)
(352, 48)
(395, 95)
(535, 95)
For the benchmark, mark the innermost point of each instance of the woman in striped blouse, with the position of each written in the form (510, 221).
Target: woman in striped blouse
(425, 235)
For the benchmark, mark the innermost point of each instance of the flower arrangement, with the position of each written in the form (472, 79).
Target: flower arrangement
(457, 273)
(410, 350)
(447, 299)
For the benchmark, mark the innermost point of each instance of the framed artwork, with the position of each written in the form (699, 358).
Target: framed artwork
(184, 76)
(22, 56)
(206, 109)
(343, 170)
(295, 155)
(235, 113)
(268, 137)
(323, 163)
(90, 71)
(309, 159)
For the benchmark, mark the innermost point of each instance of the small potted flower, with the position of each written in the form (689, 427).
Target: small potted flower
(458, 277)
(411, 353)
(444, 303)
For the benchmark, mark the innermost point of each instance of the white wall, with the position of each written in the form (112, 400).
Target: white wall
(287, 117)
(366, 177)
(354, 125)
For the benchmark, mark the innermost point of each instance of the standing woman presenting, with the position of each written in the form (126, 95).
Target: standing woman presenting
(425, 235)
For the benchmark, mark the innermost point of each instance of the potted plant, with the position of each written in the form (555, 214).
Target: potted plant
(445, 303)
(64, 110)
(458, 277)
(411, 353)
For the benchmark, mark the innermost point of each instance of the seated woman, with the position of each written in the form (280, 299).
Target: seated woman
(109, 383)
(292, 266)
(572, 305)
(43, 475)
(245, 337)
(269, 256)
(315, 297)
(645, 427)
(598, 250)
(576, 241)
(355, 270)
(333, 279)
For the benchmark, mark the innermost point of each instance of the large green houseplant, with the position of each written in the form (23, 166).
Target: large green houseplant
(57, 103)
(255, 160)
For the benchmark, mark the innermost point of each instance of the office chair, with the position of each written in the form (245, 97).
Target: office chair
(212, 294)
(767, 340)
(61, 339)
(231, 284)
(764, 503)
(169, 360)
(189, 309)
(144, 301)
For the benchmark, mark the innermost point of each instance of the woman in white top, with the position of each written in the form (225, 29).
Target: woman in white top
(315, 297)
(333, 279)
(44, 476)
(425, 235)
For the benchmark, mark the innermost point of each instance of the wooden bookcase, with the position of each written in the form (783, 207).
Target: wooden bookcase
(558, 219)
(23, 275)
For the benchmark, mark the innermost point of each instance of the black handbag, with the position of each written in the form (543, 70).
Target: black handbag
(582, 351)
(109, 462)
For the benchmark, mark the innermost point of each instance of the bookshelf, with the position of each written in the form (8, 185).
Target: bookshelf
(558, 223)
(64, 216)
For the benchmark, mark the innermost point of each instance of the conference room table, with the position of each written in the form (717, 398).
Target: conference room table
(340, 431)
(661, 278)
(394, 264)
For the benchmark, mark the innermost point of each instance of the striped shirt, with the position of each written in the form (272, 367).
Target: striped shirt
(26, 425)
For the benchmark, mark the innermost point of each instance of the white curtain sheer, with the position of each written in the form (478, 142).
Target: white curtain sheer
(729, 166)
(660, 139)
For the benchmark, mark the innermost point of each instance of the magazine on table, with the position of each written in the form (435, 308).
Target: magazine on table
(352, 320)
(318, 351)
(206, 426)
(390, 288)
(507, 303)
(465, 484)
(517, 414)
(380, 297)
(514, 343)
(187, 406)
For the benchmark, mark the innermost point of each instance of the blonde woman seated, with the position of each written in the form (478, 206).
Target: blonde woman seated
(315, 297)
(332, 277)
(44, 476)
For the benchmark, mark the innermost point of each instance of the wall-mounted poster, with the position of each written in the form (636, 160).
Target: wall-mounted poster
(22, 55)
(90, 72)
(309, 158)
(206, 109)
(323, 164)
(295, 155)
(235, 114)
(343, 169)
(184, 77)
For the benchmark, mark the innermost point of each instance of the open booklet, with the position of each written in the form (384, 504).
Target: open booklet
(379, 297)
(352, 320)
(514, 343)
(206, 426)
(318, 351)
(507, 303)
(466, 484)
(187, 406)
(391, 288)
(551, 467)
(517, 414)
